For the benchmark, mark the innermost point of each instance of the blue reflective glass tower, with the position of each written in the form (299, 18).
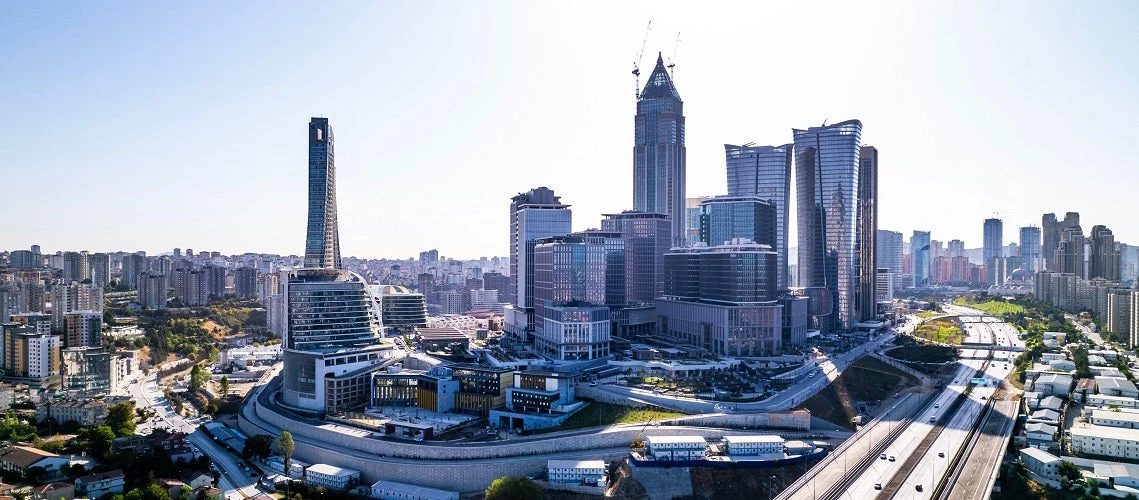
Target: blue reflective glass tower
(658, 152)
(322, 241)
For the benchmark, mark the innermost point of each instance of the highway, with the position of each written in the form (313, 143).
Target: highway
(977, 471)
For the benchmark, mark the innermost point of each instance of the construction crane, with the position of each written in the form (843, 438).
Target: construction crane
(637, 443)
(672, 60)
(637, 63)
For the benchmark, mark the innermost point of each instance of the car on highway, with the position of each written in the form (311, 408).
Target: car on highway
(941, 454)
(919, 488)
(891, 458)
(937, 405)
(933, 419)
(883, 457)
(877, 486)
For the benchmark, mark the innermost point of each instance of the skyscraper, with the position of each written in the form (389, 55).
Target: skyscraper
(827, 180)
(764, 172)
(919, 248)
(658, 152)
(1104, 259)
(1052, 230)
(332, 331)
(889, 252)
(322, 243)
(1030, 248)
(100, 269)
(1069, 254)
(866, 300)
(993, 250)
(534, 215)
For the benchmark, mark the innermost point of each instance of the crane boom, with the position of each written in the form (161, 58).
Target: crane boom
(637, 64)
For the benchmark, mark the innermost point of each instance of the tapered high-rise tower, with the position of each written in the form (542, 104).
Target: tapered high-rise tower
(658, 152)
(765, 172)
(322, 242)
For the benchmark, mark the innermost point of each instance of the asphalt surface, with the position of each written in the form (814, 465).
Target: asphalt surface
(975, 481)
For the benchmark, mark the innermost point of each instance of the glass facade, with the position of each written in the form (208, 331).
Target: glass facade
(1030, 247)
(572, 283)
(919, 248)
(659, 153)
(322, 242)
(889, 253)
(993, 249)
(329, 311)
(765, 172)
(866, 300)
(647, 237)
(725, 218)
(827, 168)
(741, 273)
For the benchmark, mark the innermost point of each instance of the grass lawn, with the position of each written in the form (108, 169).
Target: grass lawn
(598, 414)
(941, 331)
(993, 307)
(928, 314)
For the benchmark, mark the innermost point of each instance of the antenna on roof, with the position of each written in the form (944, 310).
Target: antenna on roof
(672, 60)
(825, 122)
(637, 64)
(748, 145)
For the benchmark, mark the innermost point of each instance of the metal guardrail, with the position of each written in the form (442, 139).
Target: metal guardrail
(957, 465)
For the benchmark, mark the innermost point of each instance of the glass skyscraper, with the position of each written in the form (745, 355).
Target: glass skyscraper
(866, 299)
(322, 242)
(765, 172)
(993, 250)
(1030, 247)
(725, 218)
(827, 180)
(534, 215)
(658, 152)
(647, 238)
(919, 248)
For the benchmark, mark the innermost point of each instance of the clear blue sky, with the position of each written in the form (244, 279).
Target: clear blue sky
(153, 125)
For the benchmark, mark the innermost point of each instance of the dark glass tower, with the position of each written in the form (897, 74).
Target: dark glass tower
(658, 152)
(764, 172)
(322, 241)
(866, 301)
(827, 180)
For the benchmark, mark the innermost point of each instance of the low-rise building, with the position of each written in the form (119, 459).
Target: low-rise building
(1117, 474)
(331, 477)
(1041, 463)
(103, 483)
(1051, 417)
(1050, 403)
(1054, 384)
(1105, 441)
(1040, 433)
(753, 445)
(583, 472)
(86, 413)
(1124, 419)
(1105, 401)
(19, 459)
(52, 491)
(391, 490)
(676, 447)
(1116, 386)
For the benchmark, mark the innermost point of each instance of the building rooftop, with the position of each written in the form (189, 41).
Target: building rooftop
(1040, 455)
(332, 470)
(575, 464)
(1116, 469)
(414, 491)
(675, 439)
(1122, 416)
(1103, 431)
(753, 439)
(102, 476)
(1115, 383)
(23, 456)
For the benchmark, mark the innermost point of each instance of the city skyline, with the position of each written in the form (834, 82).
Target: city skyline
(232, 197)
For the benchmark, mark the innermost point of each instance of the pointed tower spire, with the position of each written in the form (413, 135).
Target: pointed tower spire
(659, 83)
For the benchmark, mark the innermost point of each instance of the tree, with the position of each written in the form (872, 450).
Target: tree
(224, 385)
(286, 446)
(198, 378)
(513, 488)
(100, 439)
(120, 418)
(260, 446)
(1069, 473)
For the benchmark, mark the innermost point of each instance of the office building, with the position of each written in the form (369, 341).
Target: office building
(889, 254)
(401, 309)
(1104, 261)
(919, 248)
(658, 152)
(86, 371)
(1030, 248)
(25, 260)
(692, 220)
(725, 218)
(764, 172)
(572, 322)
(152, 291)
(322, 241)
(827, 180)
(100, 269)
(646, 241)
(245, 282)
(723, 299)
(485, 300)
(1051, 230)
(993, 251)
(500, 283)
(866, 301)
(534, 215)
